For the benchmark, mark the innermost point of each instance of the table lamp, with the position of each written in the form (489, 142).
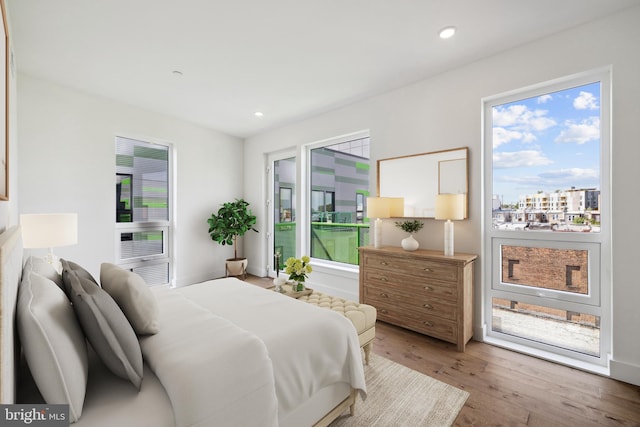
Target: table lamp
(49, 231)
(378, 207)
(449, 207)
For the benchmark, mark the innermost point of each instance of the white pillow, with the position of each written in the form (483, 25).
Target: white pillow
(54, 345)
(43, 268)
(134, 297)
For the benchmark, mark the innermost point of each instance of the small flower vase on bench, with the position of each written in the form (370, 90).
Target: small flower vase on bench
(298, 269)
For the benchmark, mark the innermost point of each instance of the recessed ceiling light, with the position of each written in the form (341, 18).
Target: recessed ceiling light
(258, 114)
(447, 32)
(176, 73)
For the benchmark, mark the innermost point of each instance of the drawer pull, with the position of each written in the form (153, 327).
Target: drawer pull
(428, 270)
(426, 322)
(383, 263)
(383, 311)
(428, 288)
(384, 295)
(383, 279)
(428, 306)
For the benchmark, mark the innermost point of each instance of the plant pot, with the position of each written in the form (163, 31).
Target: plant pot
(236, 267)
(409, 243)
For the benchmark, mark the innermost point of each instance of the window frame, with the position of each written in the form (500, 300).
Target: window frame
(164, 226)
(598, 302)
(305, 196)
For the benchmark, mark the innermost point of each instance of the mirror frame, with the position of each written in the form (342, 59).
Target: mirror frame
(420, 177)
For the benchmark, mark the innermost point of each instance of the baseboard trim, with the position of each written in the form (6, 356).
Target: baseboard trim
(625, 371)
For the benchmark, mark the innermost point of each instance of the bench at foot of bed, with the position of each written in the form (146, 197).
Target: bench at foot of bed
(363, 316)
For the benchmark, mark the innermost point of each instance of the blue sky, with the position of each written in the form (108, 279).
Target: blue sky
(547, 143)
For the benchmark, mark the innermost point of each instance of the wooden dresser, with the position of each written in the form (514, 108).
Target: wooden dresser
(422, 290)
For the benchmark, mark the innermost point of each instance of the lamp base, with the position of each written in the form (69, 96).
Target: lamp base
(377, 234)
(448, 238)
(53, 260)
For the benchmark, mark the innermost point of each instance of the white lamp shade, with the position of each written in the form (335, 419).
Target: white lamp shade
(378, 207)
(396, 208)
(49, 230)
(450, 206)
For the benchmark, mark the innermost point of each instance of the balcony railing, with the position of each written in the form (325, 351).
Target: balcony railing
(331, 241)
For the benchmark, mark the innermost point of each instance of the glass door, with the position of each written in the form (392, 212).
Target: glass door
(283, 212)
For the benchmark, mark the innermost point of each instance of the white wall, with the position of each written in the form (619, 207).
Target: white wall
(67, 164)
(445, 112)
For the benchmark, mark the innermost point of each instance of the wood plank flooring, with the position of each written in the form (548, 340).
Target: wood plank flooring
(508, 388)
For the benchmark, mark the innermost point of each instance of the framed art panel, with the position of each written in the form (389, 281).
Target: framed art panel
(4, 114)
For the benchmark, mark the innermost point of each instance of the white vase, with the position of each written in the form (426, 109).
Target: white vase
(409, 243)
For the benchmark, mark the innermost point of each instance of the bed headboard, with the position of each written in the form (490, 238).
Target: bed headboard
(10, 275)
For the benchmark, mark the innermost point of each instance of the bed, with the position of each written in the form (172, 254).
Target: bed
(221, 352)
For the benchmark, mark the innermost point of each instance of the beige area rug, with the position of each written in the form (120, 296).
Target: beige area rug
(399, 396)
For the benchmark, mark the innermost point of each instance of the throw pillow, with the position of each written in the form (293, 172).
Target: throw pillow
(105, 326)
(54, 346)
(43, 268)
(79, 270)
(133, 296)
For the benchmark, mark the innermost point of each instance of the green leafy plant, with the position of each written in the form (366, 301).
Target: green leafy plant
(232, 220)
(410, 226)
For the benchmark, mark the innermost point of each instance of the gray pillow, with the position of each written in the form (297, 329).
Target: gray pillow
(43, 268)
(105, 326)
(80, 271)
(53, 343)
(134, 297)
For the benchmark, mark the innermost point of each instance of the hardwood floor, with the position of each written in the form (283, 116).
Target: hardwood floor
(508, 388)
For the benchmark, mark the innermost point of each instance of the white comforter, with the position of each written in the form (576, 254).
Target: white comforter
(237, 354)
(213, 372)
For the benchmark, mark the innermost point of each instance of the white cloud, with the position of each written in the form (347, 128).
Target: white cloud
(585, 101)
(544, 98)
(520, 117)
(516, 159)
(502, 136)
(580, 133)
(570, 175)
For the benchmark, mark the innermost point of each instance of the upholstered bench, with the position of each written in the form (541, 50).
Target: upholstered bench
(362, 316)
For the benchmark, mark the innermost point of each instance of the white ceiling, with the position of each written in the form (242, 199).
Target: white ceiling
(290, 59)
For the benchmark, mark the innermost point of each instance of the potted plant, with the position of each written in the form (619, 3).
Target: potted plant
(409, 243)
(233, 219)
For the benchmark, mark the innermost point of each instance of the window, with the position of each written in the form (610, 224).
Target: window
(360, 202)
(143, 209)
(338, 184)
(547, 222)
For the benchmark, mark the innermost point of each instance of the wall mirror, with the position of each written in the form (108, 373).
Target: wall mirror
(420, 177)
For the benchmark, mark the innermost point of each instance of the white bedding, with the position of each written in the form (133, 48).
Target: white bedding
(214, 372)
(208, 317)
(231, 354)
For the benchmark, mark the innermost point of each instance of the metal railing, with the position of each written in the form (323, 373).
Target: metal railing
(332, 241)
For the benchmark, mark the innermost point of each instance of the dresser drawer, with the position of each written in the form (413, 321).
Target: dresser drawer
(380, 297)
(420, 287)
(429, 325)
(421, 268)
